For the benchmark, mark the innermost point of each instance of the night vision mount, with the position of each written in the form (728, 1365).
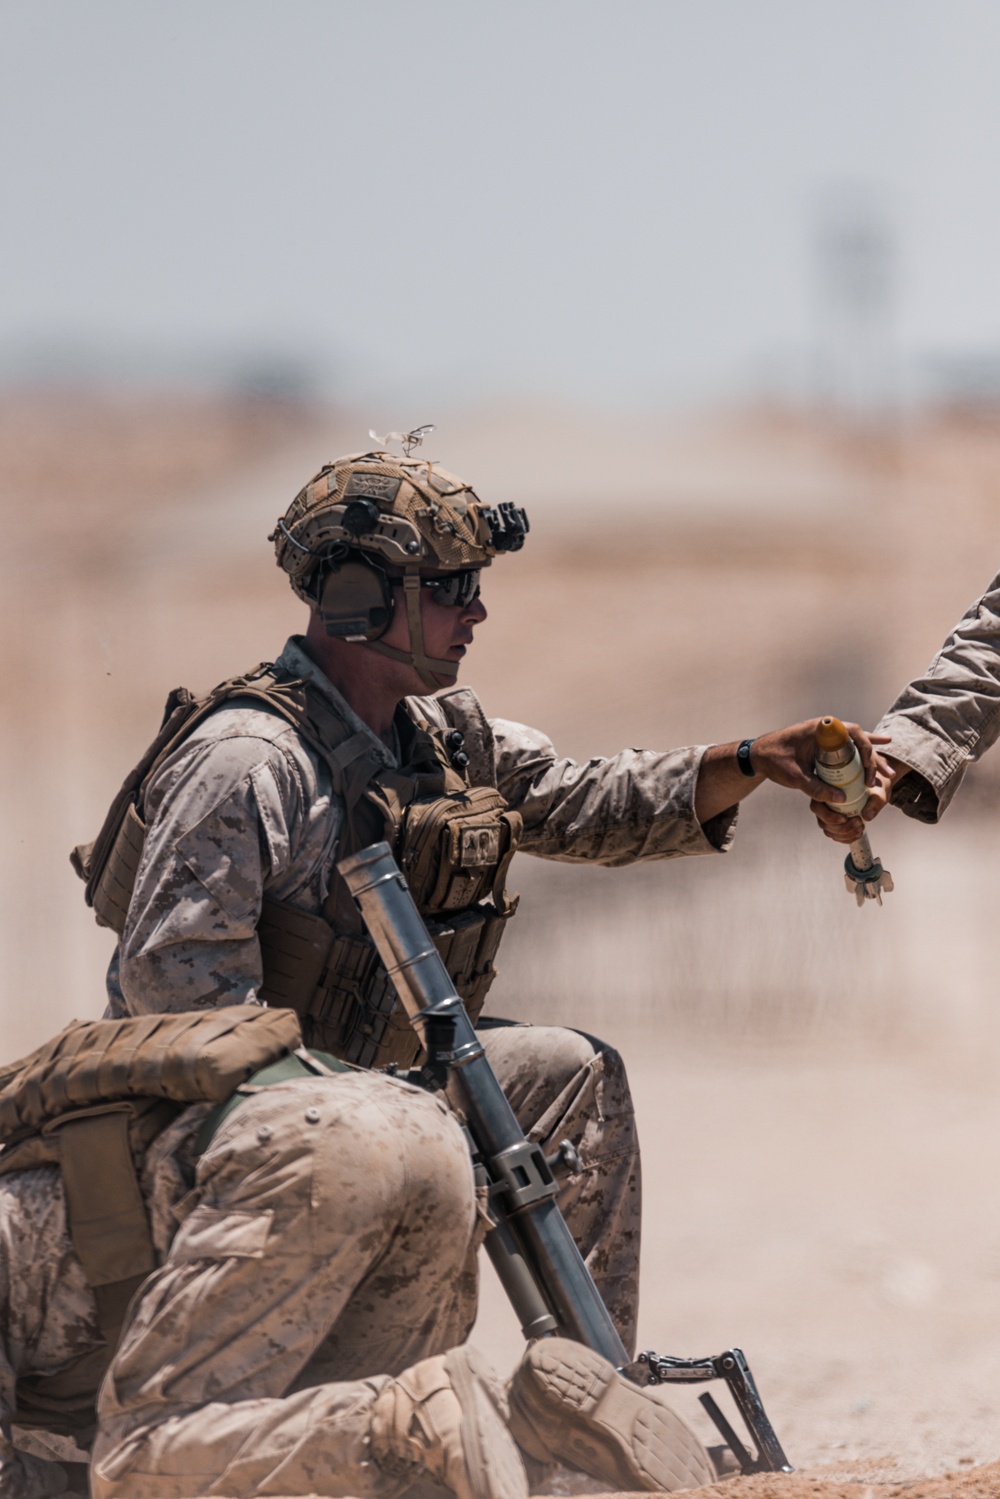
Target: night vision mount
(508, 525)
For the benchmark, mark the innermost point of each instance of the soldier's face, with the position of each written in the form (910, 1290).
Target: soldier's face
(448, 630)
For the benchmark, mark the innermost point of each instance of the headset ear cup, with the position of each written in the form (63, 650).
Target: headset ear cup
(356, 602)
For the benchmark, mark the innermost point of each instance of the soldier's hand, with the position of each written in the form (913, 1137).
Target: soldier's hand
(787, 757)
(784, 756)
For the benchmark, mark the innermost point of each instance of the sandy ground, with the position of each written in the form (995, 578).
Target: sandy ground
(815, 1085)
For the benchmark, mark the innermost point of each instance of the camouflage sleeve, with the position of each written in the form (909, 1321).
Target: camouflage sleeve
(633, 806)
(951, 714)
(223, 822)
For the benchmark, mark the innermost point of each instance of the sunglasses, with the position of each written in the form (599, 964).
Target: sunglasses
(454, 589)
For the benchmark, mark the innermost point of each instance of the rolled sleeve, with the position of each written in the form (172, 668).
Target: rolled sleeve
(949, 716)
(634, 806)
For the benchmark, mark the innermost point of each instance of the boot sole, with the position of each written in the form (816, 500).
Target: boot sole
(494, 1466)
(611, 1429)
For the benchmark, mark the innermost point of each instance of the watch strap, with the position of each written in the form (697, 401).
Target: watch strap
(743, 758)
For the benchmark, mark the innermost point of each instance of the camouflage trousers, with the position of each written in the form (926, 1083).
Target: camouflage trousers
(565, 1085)
(333, 1244)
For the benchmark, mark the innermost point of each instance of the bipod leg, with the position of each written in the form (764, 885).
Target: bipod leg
(742, 1454)
(735, 1370)
(653, 1368)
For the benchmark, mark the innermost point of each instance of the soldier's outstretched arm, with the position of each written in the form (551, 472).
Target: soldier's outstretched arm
(613, 810)
(646, 804)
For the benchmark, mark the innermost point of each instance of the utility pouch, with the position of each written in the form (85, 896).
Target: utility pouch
(112, 889)
(467, 945)
(294, 947)
(352, 1010)
(455, 850)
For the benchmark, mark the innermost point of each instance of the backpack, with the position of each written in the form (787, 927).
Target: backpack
(91, 1101)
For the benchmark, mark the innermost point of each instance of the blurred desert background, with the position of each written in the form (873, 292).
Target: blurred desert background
(710, 290)
(816, 1084)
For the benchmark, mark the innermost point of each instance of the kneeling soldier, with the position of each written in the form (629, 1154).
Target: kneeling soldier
(300, 1253)
(216, 864)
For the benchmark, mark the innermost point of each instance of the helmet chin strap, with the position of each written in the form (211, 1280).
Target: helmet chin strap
(434, 674)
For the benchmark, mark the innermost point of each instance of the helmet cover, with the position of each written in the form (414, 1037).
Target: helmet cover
(403, 512)
(405, 515)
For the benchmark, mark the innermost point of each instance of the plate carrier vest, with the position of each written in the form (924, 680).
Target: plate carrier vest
(453, 841)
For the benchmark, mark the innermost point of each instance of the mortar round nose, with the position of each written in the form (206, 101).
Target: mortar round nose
(831, 734)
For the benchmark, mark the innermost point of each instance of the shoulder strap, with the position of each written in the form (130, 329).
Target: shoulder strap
(104, 1208)
(109, 1230)
(293, 699)
(181, 715)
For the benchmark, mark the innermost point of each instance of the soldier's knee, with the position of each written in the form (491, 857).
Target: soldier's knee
(549, 1071)
(431, 1167)
(553, 1051)
(583, 1051)
(612, 1114)
(610, 1061)
(352, 1150)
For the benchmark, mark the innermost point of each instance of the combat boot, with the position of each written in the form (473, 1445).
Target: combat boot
(569, 1403)
(445, 1418)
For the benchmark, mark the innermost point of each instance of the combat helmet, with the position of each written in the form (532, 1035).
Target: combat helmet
(370, 520)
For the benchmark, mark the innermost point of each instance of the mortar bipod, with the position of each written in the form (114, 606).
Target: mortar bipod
(654, 1368)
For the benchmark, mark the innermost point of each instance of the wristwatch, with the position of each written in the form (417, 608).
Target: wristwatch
(743, 759)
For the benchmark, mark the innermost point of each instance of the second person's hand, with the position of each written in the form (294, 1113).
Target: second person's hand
(849, 829)
(788, 756)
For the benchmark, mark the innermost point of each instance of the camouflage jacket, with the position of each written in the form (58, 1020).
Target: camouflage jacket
(244, 807)
(951, 714)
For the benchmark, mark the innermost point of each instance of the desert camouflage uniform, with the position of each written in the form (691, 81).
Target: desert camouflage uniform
(951, 714)
(48, 1316)
(245, 807)
(330, 1228)
(328, 1245)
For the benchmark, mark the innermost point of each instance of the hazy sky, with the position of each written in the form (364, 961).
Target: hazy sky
(599, 199)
